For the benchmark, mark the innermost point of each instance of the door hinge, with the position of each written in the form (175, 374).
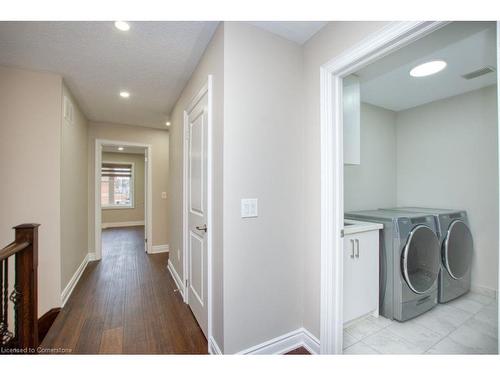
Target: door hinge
(341, 233)
(146, 240)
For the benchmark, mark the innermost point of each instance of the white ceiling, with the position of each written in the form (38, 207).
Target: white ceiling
(465, 46)
(153, 60)
(296, 31)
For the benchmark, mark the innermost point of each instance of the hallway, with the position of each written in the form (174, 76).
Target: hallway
(126, 303)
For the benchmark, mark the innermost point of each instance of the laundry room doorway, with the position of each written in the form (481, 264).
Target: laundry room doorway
(402, 128)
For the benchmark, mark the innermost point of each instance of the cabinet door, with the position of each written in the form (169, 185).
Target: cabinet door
(350, 278)
(361, 282)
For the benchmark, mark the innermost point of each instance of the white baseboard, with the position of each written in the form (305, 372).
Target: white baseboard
(285, 343)
(159, 249)
(311, 342)
(213, 348)
(176, 277)
(122, 224)
(74, 280)
(484, 290)
(92, 256)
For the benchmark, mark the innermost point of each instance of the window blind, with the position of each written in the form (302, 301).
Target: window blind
(116, 170)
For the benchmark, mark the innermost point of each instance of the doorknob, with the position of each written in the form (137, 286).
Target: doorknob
(203, 228)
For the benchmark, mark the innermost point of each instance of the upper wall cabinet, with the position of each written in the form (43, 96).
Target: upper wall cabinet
(352, 104)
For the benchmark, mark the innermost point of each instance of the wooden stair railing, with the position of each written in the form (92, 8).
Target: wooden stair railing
(23, 336)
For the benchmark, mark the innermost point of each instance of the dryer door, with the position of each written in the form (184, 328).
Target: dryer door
(458, 249)
(420, 261)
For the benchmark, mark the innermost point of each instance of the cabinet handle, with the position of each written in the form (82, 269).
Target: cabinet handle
(357, 248)
(352, 249)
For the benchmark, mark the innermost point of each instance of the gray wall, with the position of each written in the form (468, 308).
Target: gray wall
(447, 157)
(74, 192)
(30, 154)
(372, 184)
(263, 158)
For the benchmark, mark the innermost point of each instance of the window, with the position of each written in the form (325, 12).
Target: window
(117, 185)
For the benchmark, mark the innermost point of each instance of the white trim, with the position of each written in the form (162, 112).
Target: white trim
(390, 38)
(148, 206)
(285, 343)
(310, 342)
(92, 256)
(176, 277)
(213, 348)
(206, 89)
(484, 290)
(122, 224)
(160, 249)
(66, 293)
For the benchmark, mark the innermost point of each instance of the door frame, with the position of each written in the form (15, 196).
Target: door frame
(148, 189)
(206, 89)
(381, 43)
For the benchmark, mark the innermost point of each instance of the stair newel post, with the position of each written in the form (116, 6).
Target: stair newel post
(26, 288)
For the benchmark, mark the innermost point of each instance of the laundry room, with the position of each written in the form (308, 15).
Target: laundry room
(421, 198)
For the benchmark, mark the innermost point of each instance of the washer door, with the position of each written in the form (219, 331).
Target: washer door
(457, 249)
(420, 262)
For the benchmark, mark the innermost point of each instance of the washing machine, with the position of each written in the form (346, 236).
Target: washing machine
(409, 262)
(457, 248)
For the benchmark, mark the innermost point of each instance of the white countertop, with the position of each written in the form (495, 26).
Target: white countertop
(355, 226)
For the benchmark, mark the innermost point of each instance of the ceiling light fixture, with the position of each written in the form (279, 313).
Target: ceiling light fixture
(122, 25)
(428, 68)
(120, 148)
(167, 123)
(124, 94)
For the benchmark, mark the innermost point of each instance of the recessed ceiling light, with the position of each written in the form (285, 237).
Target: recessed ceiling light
(167, 123)
(120, 148)
(428, 68)
(124, 94)
(122, 25)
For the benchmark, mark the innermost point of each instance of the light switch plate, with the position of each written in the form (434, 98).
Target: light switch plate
(249, 207)
(163, 195)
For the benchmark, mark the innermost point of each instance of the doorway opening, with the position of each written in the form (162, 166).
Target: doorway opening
(406, 272)
(123, 196)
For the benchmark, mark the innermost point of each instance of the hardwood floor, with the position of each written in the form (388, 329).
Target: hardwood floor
(300, 350)
(126, 303)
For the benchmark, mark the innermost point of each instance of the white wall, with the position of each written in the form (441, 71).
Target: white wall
(328, 43)
(212, 62)
(263, 158)
(447, 158)
(30, 154)
(372, 184)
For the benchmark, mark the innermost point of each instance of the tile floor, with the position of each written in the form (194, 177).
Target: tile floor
(468, 325)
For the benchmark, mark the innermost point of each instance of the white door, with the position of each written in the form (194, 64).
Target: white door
(197, 128)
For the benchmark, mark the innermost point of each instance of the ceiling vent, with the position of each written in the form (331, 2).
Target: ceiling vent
(68, 110)
(479, 72)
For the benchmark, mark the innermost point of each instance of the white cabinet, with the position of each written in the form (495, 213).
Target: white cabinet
(352, 120)
(361, 270)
